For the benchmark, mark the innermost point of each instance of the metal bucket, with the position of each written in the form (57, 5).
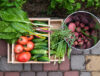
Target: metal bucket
(96, 19)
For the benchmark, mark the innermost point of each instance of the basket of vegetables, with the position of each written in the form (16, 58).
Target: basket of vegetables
(86, 28)
(32, 48)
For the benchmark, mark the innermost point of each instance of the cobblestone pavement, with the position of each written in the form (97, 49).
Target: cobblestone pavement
(82, 63)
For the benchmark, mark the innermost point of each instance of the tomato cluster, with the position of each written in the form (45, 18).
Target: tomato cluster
(23, 47)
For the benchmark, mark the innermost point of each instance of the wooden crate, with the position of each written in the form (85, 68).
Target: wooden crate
(11, 54)
(56, 24)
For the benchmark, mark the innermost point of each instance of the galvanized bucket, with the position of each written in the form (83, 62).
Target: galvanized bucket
(97, 20)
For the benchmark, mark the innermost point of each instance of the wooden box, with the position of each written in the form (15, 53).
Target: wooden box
(56, 24)
(11, 54)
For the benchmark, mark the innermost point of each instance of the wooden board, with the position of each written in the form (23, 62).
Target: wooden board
(11, 54)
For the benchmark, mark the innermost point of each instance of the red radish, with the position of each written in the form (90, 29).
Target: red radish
(86, 28)
(79, 39)
(93, 33)
(75, 43)
(91, 25)
(77, 23)
(68, 20)
(88, 44)
(86, 40)
(87, 33)
(72, 27)
(83, 47)
(82, 25)
(78, 29)
(81, 43)
(76, 34)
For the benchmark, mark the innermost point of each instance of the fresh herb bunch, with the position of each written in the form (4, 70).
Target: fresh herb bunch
(60, 39)
(72, 5)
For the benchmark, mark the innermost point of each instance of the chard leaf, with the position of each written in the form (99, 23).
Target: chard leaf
(22, 27)
(14, 14)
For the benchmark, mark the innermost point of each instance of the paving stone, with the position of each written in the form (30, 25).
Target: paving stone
(51, 67)
(1, 73)
(55, 74)
(42, 74)
(85, 74)
(76, 51)
(3, 48)
(77, 62)
(71, 73)
(4, 66)
(12, 74)
(27, 73)
(95, 73)
(37, 67)
(93, 63)
(27, 67)
(65, 65)
(96, 49)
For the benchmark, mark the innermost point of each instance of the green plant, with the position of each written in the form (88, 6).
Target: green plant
(72, 5)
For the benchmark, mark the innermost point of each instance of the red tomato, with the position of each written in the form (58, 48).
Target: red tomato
(29, 46)
(30, 37)
(23, 40)
(18, 48)
(23, 57)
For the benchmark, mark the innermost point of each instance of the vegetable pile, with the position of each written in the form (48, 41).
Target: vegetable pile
(32, 47)
(85, 29)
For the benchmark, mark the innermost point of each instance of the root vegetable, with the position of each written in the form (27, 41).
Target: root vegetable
(79, 39)
(78, 29)
(81, 43)
(77, 23)
(88, 44)
(76, 34)
(68, 20)
(72, 27)
(87, 33)
(86, 28)
(82, 25)
(75, 43)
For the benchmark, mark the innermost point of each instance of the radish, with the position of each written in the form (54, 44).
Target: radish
(72, 27)
(86, 40)
(77, 23)
(68, 20)
(81, 43)
(87, 33)
(76, 34)
(75, 43)
(91, 25)
(78, 29)
(82, 25)
(88, 44)
(86, 28)
(79, 39)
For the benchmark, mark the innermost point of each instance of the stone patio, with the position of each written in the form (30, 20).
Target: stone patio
(82, 63)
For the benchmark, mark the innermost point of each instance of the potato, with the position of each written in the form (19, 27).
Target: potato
(72, 27)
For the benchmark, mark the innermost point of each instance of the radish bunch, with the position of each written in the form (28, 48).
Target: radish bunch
(82, 25)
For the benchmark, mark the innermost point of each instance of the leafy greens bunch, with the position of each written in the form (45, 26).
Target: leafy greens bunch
(61, 40)
(13, 20)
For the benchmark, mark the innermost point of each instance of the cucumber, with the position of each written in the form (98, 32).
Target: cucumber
(38, 51)
(35, 57)
(41, 47)
(38, 40)
(41, 44)
(43, 58)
